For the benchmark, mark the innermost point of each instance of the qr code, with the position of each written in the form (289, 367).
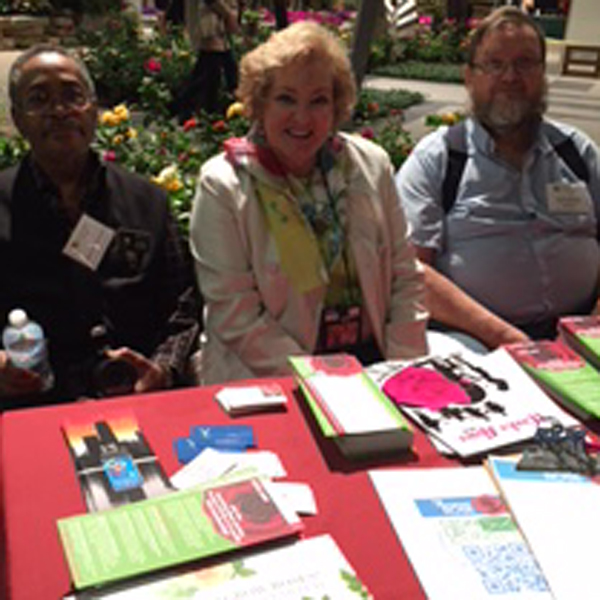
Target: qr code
(506, 568)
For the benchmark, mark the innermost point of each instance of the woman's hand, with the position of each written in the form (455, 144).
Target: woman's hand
(17, 382)
(150, 375)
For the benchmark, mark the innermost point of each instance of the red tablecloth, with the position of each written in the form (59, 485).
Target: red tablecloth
(39, 485)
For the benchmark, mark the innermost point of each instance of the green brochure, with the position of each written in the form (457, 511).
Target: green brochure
(145, 536)
(562, 373)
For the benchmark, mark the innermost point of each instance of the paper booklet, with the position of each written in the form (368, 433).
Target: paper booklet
(559, 516)
(470, 403)
(564, 374)
(310, 568)
(349, 408)
(114, 462)
(458, 535)
(583, 335)
(142, 537)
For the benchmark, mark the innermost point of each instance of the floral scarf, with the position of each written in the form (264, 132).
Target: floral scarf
(307, 217)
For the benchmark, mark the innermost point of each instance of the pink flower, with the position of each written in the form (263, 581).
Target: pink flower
(109, 156)
(368, 133)
(425, 20)
(153, 65)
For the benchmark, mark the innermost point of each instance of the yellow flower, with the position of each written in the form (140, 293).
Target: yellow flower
(235, 110)
(109, 118)
(121, 112)
(118, 139)
(168, 179)
(173, 186)
(131, 133)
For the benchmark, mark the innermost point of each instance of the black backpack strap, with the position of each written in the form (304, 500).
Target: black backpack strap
(566, 149)
(456, 142)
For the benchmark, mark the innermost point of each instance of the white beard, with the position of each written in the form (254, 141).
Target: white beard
(504, 115)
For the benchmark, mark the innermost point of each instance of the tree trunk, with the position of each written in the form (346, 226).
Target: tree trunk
(366, 21)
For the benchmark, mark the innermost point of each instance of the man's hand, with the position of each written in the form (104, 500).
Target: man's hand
(17, 382)
(150, 375)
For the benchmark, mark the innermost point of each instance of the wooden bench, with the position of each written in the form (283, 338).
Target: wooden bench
(583, 61)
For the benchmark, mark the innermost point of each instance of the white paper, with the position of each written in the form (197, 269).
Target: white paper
(212, 464)
(510, 410)
(88, 242)
(458, 536)
(351, 401)
(309, 568)
(559, 515)
(297, 495)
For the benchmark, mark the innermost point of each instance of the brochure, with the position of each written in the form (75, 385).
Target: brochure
(458, 535)
(469, 402)
(170, 530)
(583, 335)
(562, 373)
(349, 408)
(114, 462)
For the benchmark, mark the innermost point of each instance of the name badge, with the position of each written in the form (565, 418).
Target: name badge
(570, 198)
(340, 328)
(88, 242)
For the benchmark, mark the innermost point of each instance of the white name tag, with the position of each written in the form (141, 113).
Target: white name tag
(88, 242)
(570, 198)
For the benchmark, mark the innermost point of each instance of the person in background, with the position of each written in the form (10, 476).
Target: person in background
(514, 245)
(218, 19)
(297, 232)
(57, 207)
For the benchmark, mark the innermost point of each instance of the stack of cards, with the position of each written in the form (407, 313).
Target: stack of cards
(232, 438)
(239, 400)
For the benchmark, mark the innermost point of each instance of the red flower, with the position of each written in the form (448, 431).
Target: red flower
(373, 107)
(190, 124)
(368, 133)
(109, 156)
(219, 126)
(153, 65)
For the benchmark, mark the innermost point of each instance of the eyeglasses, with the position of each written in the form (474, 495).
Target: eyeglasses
(40, 102)
(497, 68)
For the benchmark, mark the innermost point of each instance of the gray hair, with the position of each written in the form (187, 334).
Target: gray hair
(16, 69)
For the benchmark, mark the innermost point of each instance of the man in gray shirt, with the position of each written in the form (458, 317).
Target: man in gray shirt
(511, 233)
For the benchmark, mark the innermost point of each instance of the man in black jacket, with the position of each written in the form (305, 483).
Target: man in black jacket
(86, 246)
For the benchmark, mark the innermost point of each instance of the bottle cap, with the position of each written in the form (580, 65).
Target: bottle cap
(17, 317)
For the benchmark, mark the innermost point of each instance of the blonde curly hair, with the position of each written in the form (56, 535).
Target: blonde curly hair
(301, 42)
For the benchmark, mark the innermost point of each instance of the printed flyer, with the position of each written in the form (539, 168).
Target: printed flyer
(458, 535)
(310, 569)
(170, 530)
(114, 462)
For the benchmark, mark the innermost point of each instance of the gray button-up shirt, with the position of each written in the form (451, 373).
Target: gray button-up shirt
(522, 242)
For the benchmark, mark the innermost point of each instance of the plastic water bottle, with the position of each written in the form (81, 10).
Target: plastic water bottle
(25, 344)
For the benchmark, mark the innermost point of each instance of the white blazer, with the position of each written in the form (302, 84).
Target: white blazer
(254, 319)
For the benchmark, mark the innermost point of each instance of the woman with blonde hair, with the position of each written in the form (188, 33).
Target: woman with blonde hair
(298, 234)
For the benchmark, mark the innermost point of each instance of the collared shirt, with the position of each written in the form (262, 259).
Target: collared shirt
(144, 294)
(506, 241)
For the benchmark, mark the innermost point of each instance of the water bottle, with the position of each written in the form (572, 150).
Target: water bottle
(25, 345)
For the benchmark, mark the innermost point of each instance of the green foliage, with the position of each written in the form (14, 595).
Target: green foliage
(168, 154)
(446, 72)
(377, 104)
(12, 149)
(395, 139)
(115, 56)
(434, 51)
